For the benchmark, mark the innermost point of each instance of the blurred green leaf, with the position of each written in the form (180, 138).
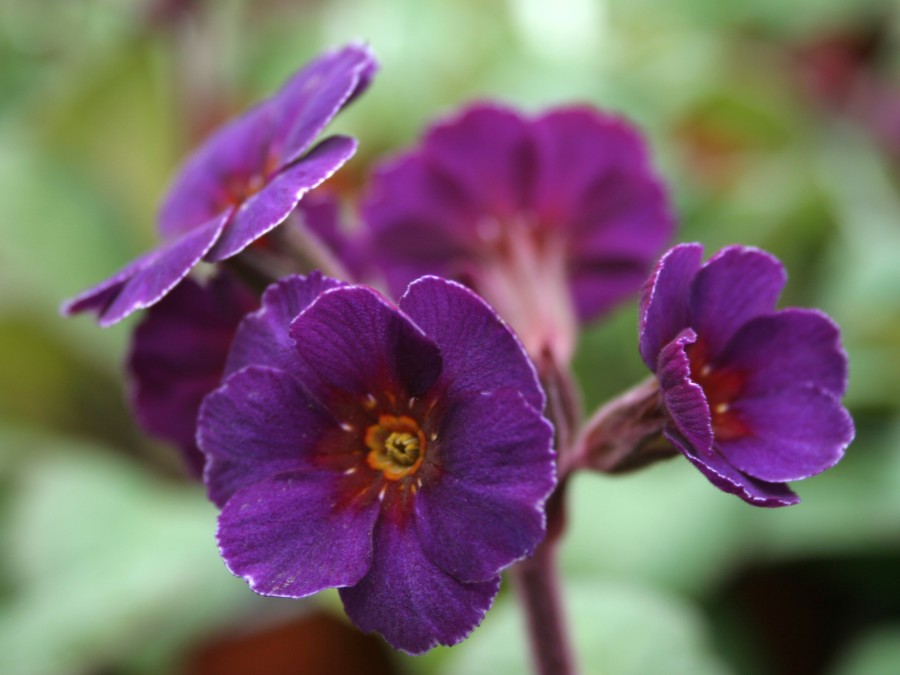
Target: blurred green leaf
(102, 557)
(618, 629)
(875, 653)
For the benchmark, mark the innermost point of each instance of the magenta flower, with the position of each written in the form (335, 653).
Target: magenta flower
(241, 183)
(396, 453)
(752, 394)
(553, 219)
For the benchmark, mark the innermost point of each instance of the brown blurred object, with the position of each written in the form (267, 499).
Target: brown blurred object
(315, 644)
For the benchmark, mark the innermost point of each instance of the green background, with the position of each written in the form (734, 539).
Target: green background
(107, 553)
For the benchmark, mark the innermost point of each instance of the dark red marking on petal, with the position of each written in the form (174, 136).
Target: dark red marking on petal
(722, 386)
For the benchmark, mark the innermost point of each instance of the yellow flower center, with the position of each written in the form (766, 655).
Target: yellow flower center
(396, 446)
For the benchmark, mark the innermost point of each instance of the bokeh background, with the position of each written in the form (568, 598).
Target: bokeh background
(776, 124)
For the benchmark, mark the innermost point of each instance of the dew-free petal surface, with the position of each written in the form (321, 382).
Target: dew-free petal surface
(734, 286)
(479, 351)
(260, 422)
(684, 400)
(269, 207)
(487, 151)
(794, 433)
(496, 456)
(664, 309)
(262, 338)
(352, 343)
(178, 356)
(409, 600)
(728, 479)
(789, 348)
(287, 538)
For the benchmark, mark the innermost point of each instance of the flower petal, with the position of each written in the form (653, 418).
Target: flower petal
(600, 283)
(312, 97)
(259, 423)
(352, 344)
(263, 338)
(593, 173)
(178, 355)
(734, 286)
(421, 221)
(794, 433)
(488, 151)
(788, 348)
(728, 479)
(664, 300)
(685, 400)
(285, 536)
(270, 206)
(409, 600)
(495, 467)
(146, 280)
(480, 352)
(229, 157)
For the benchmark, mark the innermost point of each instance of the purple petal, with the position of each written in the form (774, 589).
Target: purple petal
(263, 337)
(488, 151)
(480, 352)
(421, 221)
(601, 283)
(178, 355)
(352, 344)
(684, 400)
(794, 433)
(270, 206)
(320, 213)
(146, 280)
(734, 286)
(311, 98)
(228, 158)
(260, 422)
(788, 348)
(664, 300)
(285, 536)
(576, 147)
(496, 469)
(728, 479)
(411, 601)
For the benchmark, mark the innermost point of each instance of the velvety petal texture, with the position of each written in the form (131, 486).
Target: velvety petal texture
(178, 356)
(752, 393)
(553, 219)
(262, 338)
(397, 453)
(241, 183)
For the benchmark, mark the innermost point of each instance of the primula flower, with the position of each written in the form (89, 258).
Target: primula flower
(553, 219)
(397, 453)
(752, 394)
(178, 356)
(241, 183)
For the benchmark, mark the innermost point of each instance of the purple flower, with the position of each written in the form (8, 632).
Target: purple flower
(178, 356)
(553, 219)
(242, 182)
(752, 394)
(397, 453)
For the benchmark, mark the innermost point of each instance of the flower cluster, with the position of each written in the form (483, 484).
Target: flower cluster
(396, 442)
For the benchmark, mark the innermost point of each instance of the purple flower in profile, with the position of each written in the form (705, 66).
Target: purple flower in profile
(553, 219)
(178, 356)
(396, 453)
(241, 183)
(752, 394)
